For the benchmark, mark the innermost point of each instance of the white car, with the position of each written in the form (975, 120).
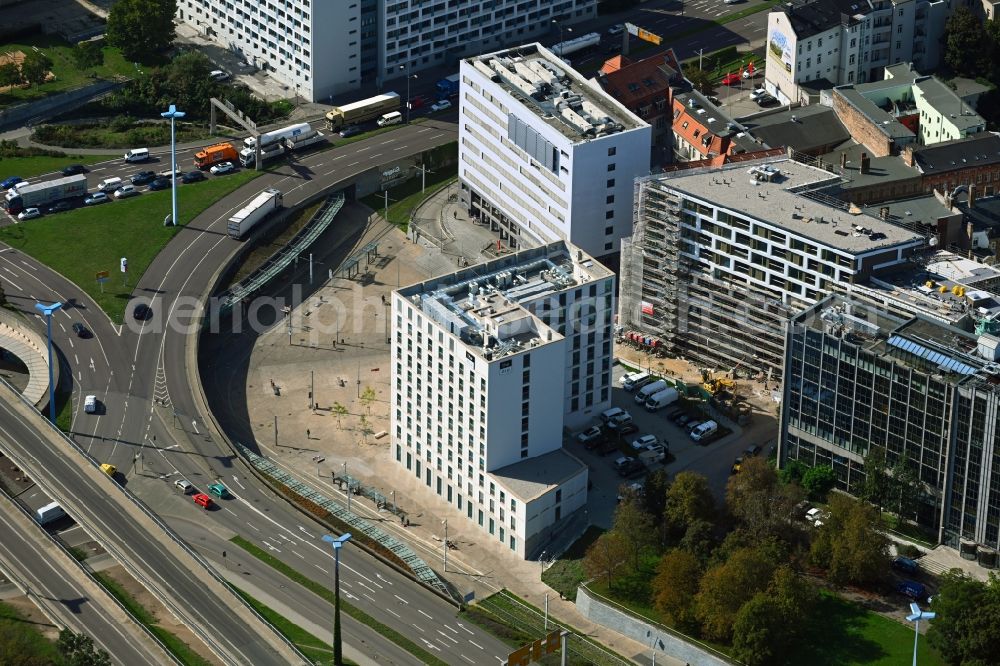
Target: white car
(96, 198)
(90, 404)
(441, 106)
(757, 92)
(224, 167)
(29, 214)
(126, 191)
(166, 173)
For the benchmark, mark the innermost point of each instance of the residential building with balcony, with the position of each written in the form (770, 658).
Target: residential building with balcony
(544, 155)
(489, 364)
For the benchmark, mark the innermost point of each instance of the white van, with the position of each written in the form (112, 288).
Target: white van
(393, 118)
(649, 389)
(109, 184)
(635, 381)
(704, 431)
(661, 399)
(137, 155)
(48, 513)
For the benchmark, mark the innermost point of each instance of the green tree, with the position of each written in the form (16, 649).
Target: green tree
(688, 499)
(655, 493)
(792, 472)
(79, 650)
(606, 556)
(141, 28)
(189, 83)
(756, 498)
(877, 483)
(10, 74)
(818, 481)
(727, 586)
(674, 588)
(850, 544)
(966, 630)
(368, 397)
(906, 489)
(700, 79)
(967, 48)
(89, 54)
(757, 631)
(340, 412)
(35, 67)
(635, 526)
(699, 539)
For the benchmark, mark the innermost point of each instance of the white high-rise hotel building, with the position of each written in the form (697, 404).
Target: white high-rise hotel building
(329, 47)
(488, 365)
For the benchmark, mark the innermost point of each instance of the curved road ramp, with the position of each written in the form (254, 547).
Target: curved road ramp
(30, 347)
(180, 578)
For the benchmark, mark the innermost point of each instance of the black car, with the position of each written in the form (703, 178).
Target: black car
(193, 177)
(766, 100)
(144, 178)
(142, 312)
(81, 330)
(160, 184)
(350, 130)
(73, 169)
(58, 207)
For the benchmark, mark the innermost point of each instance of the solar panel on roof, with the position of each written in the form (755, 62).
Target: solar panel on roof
(937, 358)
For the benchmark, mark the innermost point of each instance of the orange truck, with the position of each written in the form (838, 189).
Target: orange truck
(220, 152)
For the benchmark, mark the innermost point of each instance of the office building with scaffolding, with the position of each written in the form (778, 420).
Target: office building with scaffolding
(545, 155)
(489, 364)
(722, 257)
(927, 393)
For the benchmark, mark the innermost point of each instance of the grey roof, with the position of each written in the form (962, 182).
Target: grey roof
(976, 150)
(529, 479)
(782, 203)
(881, 170)
(923, 210)
(805, 128)
(816, 16)
(968, 89)
(945, 101)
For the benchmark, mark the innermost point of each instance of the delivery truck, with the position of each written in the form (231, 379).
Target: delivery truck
(661, 399)
(649, 389)
(362, 111)
(220, 152)
(304, 140)
(248, 156)
(245, 219)
(447, 87)
(41, 194)
(48, 513)
(278, 135)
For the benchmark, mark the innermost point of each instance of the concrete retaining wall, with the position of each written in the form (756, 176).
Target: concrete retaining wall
(608, 614)
(35, 112)
(19, 338)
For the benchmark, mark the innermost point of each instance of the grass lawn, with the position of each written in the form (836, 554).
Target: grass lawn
(67, 74)
(566, 573)
(27, 167)
(118, 137)
(406, 197)
(22, 640)
(81, 242)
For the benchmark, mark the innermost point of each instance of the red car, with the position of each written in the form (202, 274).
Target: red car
(732, 79)
(417, 102)
(203, 500)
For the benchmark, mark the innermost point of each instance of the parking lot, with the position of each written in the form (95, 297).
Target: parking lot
(713, 460)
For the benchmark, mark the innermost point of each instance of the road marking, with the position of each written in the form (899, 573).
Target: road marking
(298, 554)
(424, 614)
(229, 510)
(404, 600)
(417, 627)
(450, 629)
(477, 645)
(62, 327)
(463, 628)
(29, 266)
(372, 598)
(361, 150)
(394, 613)
(253, 526)
(321, 568)
(306, 532)
(72, 346)
(237, 482)
(379, 576)
(466, 658)
(448, 637)
(76, 359)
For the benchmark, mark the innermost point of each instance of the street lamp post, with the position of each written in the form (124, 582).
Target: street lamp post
(445, 521)
(409, 76)
(915, 618)
(337, 543)
(47, 311)
(173, 114)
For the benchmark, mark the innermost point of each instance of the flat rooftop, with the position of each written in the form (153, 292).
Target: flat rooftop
(530, 479)
(485, 305)
(556, 92)
(783, 202)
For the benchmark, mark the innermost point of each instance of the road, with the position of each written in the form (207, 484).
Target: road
(46, 572)
(128, 366)
(81, 489)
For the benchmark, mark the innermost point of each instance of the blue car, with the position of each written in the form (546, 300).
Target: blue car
(912, 589)
(10, 182)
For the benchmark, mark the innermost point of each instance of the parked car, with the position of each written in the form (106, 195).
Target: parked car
(143, 178)
(735, 469)
(126, 191)
(159, 184)
(766, 100)
(350, 130)
(621, 420)
(608, 446)
(590, 435)
(627, 428)
(166, 173)
(96, 198)
(635, 488)
(193, 177)
(443, 105)
(59, 207)
(218, 75)
(681, 419)
(912, 589)
(10, 182)
(81, 330)
(73, 169)
(222, 168)
(752, 451)
(29, 214)
(645, 441)
(905, 564)
(627, 467)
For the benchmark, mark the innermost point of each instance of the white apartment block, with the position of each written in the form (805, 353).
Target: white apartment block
(324, 48)
(815, 43)
(546, 156)
(488, 366)
(722, 257)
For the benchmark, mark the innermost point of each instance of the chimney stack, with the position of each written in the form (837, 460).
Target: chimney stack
(865, 162)
(843, 161)
(972, 196)
(883, 212)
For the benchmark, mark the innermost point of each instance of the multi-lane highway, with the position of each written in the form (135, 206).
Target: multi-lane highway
(146, 377)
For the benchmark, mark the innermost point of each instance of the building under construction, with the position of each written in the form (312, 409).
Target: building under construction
(722, 257)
